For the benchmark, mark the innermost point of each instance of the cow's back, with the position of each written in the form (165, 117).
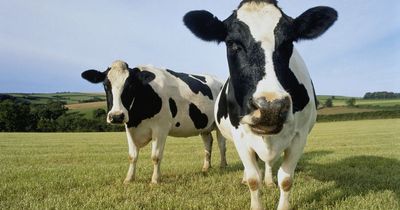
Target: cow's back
(187, 101)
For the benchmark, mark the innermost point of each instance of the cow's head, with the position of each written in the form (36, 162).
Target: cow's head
(259, 40)
(120, 83)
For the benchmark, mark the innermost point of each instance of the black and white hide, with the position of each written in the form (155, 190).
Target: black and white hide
(268, 104)
(154, 103)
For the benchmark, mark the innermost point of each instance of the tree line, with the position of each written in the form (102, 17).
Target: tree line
(53, 116)
(382, 95)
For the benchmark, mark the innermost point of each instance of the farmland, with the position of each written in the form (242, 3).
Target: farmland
(346, 165)
(82, 103)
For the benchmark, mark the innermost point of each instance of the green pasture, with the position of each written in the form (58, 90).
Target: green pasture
(69, 98)
(346, 165)
(341, 101)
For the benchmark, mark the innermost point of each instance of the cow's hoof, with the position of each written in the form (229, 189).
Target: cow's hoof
(127, 181)
(154, 182)
(244, 181)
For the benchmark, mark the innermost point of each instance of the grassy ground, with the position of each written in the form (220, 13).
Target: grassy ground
(346, 165)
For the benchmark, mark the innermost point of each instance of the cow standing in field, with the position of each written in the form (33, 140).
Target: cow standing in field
(268, 105)
(154, 103)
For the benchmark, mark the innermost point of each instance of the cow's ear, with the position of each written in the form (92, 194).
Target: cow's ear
(314, 22)
(205, 25)
(145, 77)
(93, 76)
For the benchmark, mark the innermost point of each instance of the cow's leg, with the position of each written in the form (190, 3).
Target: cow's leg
(252, 173)
(222, 148)
(156, 155)
(268, 179)
(133, 152)
(244, 179)
(207, 140)
(286, 171)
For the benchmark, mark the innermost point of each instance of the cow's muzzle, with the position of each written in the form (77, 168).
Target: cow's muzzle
(268, 116)
(116, 118)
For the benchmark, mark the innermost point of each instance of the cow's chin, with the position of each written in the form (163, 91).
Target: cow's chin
(263, 130)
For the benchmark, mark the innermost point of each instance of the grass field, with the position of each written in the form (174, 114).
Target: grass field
(346, 165)
(341, 101)
(87, 108)
(69, 98)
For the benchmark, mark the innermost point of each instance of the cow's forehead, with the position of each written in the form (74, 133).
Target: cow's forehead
(118, 73)
(262, 18)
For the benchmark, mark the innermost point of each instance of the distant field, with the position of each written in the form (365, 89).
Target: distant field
(87, 108)
(341, 101)
(341, 110)
(346, 165)
(74, 103)
(91, 105)
(69, 98)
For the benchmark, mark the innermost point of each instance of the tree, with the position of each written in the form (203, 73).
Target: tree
(329, 103)
(351, 102)
(47, 114)
(99, 113)
(15, 116)
(51, 110)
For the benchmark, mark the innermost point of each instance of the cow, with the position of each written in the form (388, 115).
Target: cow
(154, 103)
(268, 104)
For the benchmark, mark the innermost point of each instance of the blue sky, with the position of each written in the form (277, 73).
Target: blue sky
(46, 44)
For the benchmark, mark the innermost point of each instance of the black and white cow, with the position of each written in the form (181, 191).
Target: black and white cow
(267, 106)
(154, 103)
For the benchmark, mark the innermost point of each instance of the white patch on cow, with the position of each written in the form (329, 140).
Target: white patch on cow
(117, 76)
(262, 19)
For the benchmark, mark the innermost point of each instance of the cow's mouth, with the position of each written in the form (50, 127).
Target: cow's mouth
(261, 129)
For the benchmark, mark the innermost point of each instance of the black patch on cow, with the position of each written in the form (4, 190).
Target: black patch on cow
(172, 107)
(109, 96)
(201, 78)
(146, 102)
(199, 119)
(281, 56)
(222, 103)
(246, 66)
(177, 124)
(315, 95)
(195, 85)
(107, 89)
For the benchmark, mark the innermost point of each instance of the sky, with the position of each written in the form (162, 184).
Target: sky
(46, 44)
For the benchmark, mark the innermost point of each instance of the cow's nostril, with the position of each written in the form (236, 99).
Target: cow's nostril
(116, 118)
